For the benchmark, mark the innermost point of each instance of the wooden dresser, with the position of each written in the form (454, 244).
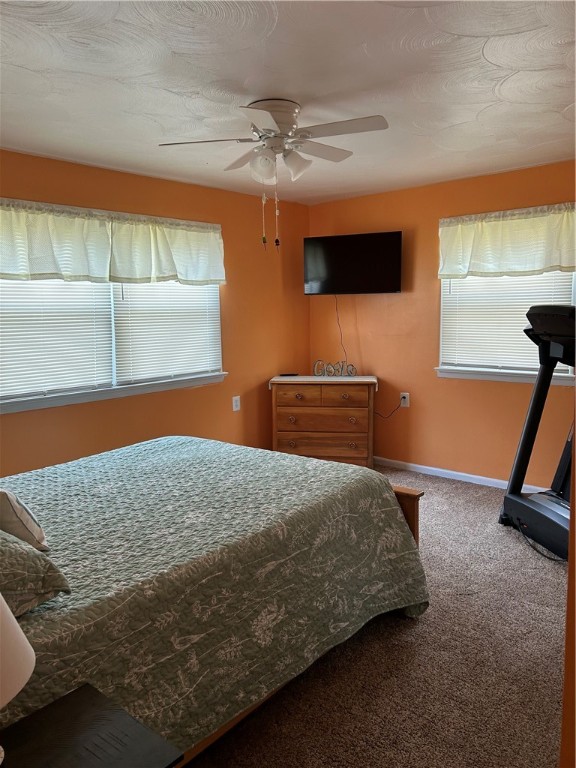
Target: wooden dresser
(327, 417)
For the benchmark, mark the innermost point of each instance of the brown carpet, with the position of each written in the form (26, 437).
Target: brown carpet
(474, 683)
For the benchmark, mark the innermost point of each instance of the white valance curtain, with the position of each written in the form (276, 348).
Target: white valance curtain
(42, 242)
(527, 241)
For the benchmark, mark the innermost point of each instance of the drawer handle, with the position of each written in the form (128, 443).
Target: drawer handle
(352, 445)
(352, 419)
(299, 396)
(344, 395)
(292, 419)
(291, 444)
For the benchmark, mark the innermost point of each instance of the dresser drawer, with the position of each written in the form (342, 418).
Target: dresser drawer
(310, 419)
(292, 394)
(345, 395)
(324, 445)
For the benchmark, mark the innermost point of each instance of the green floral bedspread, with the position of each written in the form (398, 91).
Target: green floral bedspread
(205, 575)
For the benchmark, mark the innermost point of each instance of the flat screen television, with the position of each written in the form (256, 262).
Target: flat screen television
(363, 263)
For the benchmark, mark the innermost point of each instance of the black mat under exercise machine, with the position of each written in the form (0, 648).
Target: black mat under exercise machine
(543, 517)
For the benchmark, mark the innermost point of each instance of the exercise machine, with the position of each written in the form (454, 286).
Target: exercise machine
(543, 517)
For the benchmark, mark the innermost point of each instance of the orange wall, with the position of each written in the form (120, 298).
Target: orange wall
(269, 326)
(454, 424)
(264, 318)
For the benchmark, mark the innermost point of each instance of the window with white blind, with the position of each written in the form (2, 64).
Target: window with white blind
(494, 266)
(483, 320)
(97, 304)
(64, 342)
(171, 332)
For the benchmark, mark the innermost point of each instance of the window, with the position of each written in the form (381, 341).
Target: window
(482, 323)
(149, 318)
(71, 342)
(494, 267)
(165, 331)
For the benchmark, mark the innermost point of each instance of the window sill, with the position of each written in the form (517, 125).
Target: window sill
(71, 398)
(502, 375)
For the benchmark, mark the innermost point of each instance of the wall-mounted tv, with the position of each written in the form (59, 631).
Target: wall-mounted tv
(363, 263)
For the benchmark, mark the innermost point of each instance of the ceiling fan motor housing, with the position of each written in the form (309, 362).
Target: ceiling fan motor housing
(276, 143)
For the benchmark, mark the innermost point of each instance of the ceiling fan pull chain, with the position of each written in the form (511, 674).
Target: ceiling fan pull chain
(277, 210)
(264, 241)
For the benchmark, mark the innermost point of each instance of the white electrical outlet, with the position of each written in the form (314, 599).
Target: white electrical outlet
(236, 403)
(405, 399)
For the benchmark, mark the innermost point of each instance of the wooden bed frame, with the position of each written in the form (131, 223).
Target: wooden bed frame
(409, 501)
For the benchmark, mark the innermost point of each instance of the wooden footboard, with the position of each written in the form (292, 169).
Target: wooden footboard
(409, 501)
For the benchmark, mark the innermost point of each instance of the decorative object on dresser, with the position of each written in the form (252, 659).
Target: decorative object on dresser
(324, 417)
(341, 368)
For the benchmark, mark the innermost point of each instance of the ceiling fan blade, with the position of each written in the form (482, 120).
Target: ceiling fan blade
(356, 125)
(206, 141)
(262, 119)
(324, 151)
(242, 160)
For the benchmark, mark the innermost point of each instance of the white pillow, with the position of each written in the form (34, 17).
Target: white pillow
(18, 520)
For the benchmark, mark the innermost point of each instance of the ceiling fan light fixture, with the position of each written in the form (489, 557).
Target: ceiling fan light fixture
(295, 163)
(263, 166)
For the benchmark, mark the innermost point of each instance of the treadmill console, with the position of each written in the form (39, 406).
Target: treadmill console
(552, 329)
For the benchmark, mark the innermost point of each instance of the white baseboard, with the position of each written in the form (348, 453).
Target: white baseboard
(478, 479)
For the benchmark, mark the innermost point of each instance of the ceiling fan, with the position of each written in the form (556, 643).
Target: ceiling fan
(274, 128)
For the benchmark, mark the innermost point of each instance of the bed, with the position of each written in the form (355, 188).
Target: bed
(203, 576)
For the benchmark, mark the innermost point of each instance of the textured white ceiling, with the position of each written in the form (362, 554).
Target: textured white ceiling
(468, 87)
